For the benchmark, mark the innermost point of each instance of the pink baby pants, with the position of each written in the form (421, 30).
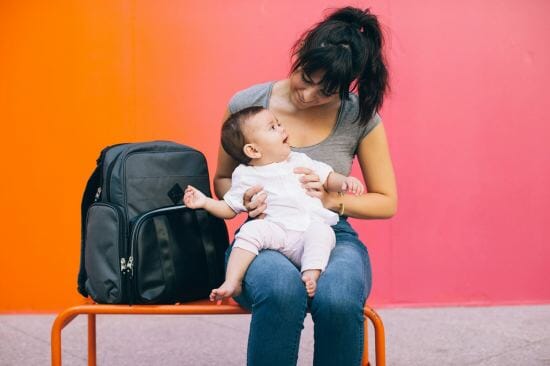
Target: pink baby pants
(309, 249)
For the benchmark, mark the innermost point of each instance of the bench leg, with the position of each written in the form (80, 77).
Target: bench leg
(91, 340)
(365, 359)
(60, 322)
(379, 337)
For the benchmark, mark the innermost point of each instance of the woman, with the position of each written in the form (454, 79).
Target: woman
(330, 124)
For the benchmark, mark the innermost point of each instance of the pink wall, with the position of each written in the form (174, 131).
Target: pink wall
(469, 131)
(467, 121)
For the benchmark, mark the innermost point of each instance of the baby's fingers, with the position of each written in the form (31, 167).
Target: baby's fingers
(357, 188)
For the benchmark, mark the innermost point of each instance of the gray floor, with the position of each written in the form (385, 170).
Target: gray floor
(514, 335)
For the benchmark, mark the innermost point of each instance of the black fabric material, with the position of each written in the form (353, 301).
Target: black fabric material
(205, 225)
(104, 238)
(87, 200)
(164, 253)
(174, 256)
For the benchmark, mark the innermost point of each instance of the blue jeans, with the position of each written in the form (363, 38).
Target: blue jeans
(274, 291)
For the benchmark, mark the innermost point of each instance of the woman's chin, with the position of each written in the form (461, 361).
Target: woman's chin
(297, 102)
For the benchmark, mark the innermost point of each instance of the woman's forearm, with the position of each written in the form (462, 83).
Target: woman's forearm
(366, 206)
(221, 186)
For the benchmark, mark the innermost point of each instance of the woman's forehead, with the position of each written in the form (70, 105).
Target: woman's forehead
(327, 81)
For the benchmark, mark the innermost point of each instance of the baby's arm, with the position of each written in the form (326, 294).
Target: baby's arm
(340, 183)
(194, 198)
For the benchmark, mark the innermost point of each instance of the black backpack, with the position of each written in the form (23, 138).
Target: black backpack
(139, 243)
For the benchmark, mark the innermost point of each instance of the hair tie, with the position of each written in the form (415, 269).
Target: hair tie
(358, 26)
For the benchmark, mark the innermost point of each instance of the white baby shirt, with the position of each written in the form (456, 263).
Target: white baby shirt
(288, 203)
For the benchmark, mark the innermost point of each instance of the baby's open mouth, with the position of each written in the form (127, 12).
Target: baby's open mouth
(285, 140)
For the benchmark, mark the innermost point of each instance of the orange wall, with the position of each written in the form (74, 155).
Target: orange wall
(467, 123)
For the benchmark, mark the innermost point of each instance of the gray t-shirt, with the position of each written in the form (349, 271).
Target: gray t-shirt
(339, 148)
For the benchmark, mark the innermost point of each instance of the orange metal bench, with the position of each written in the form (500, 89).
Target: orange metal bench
(202, 307)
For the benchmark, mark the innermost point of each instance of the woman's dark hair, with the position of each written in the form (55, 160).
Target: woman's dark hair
(347, 45)
(233, 139)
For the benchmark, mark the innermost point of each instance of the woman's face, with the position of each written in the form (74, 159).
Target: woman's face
(306, 90)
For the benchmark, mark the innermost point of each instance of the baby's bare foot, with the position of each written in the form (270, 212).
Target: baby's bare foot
(227, 289)
(310, 278)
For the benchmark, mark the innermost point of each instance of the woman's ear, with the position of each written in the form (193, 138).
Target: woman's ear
(251, 151)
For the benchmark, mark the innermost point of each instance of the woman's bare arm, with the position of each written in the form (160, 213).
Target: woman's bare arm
(224, 169)
(381, 200)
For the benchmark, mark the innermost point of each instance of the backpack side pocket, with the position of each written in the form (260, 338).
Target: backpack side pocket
(105, 248)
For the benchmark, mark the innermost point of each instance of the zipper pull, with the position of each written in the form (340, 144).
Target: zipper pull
(123, 266)
(130, 266)
(97, 194)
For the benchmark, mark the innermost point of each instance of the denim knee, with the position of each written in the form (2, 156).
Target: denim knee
(272, 279)
(330, 308)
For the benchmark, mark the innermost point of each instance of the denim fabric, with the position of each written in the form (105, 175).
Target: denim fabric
(274, 291)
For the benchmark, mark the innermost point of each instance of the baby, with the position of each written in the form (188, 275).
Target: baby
(295, 224)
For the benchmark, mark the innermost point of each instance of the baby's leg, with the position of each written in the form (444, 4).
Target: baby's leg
(238, 263)
(251, 238)
(319, 239)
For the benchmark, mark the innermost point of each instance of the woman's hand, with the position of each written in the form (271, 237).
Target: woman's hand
(311, 183)
(254, 201)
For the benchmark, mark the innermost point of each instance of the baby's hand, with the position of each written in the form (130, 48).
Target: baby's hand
(353, 185)
(194, 198)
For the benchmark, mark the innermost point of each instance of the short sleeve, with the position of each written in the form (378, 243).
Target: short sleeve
(234, 197)
(256, 95)
(320, 168)
(371, 124)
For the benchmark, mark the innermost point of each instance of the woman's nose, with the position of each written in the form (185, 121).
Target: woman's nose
(308, 94)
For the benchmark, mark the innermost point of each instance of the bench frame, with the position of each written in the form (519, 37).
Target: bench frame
(193, 308)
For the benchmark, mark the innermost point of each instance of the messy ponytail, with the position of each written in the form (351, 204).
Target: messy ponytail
(347, 46)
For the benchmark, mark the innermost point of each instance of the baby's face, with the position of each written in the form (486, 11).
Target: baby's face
(269, 136)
